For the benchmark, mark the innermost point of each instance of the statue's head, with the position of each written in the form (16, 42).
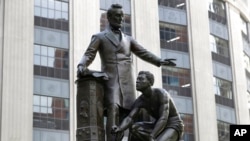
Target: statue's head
(115, 16)
(144, 80)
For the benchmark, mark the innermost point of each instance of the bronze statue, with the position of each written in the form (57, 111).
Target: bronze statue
(167, 126)
(115, 49)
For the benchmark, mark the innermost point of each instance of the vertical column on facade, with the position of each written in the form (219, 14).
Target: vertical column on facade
(84, 22)
(145, 21)
(1, 60)
(201, 70)
(16, 69)
(238, 71)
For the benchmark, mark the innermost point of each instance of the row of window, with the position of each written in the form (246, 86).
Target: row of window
(223, 130)
(221, 59)
(50, 102)
(51, 37)
(172, 33)
(175, 90)
(51, 23)
(223, 88)
(176, 76)
(50, 112)
(49, 123)
(219, 46)
(217, 7)
(50, 135)
(224, 101)
(178, 4)
(51, 14)
(59, 5)
(178, 46)
(177, 81)
(188, 128)
(51, 72)
(51, 57)
(48, 51)
(173, 37)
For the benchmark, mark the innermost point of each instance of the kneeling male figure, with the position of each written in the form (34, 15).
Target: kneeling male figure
(167, 126)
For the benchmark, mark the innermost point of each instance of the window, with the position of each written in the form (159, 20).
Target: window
(176, 81)
(247, 62)
(54, 9)
(248, 81)
(222, 88)
(219, 46)
(173, 37)
(51, 62)
(52, 14)
(188, 127)
(50, 135)
(223, 130)
(50, 112)
(178, 4)
(244, 30)
(217, 11)
(51, 37)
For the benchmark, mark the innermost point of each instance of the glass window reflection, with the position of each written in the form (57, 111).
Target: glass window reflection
(44, 101)
(44, 3)
(37, 60)
(178, 4)
(53, 58)
(58, 5)
(51, 112)
(37, 11)
(219, 46)
(52, 11)
(51, 52)
(217, 11)
(37, 2)
(65, 7)
(36, 109)
(189, 127)
(223, 130)
(51, 14)
(44, 13)
(217, 7)
(222, 88)
(36, 100)
(51, 4)
(173, 37)
(177, 81)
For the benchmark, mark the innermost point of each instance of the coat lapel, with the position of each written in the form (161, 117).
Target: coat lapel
(111, 37)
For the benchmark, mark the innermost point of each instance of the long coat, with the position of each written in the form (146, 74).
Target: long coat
(117, 63)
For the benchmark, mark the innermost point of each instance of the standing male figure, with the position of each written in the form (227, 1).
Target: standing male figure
(167, 126)
(115, 49)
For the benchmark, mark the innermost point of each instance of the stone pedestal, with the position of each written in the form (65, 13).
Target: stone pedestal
(90, 124)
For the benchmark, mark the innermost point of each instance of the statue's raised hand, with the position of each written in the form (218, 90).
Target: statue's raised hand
(168, 62)
(115, 129)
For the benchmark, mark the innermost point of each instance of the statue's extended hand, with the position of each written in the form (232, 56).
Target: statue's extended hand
(115, 129)
(168, 62)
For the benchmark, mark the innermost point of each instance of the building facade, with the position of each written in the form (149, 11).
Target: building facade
(42, 42)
